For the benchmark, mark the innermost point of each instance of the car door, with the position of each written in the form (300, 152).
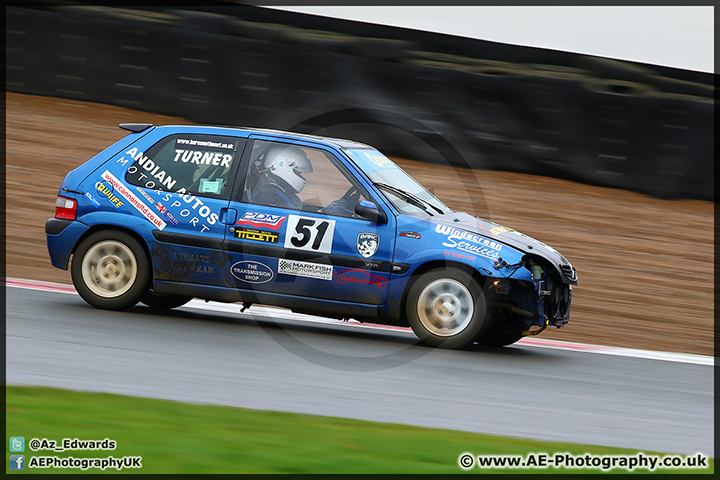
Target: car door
(315, 249)
(185, 179)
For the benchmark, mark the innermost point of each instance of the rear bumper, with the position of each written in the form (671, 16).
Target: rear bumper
(62, 236)
(55, 226)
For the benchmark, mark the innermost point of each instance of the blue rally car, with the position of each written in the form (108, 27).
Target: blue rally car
(319, 225)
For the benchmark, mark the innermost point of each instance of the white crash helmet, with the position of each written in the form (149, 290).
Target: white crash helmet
(288, 165)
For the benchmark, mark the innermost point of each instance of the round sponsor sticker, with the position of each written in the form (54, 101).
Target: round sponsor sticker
(252, 272)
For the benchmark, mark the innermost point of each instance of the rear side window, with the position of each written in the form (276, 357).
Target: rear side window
(196, 164)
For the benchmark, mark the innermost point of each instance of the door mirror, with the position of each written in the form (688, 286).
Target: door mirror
(369, 210)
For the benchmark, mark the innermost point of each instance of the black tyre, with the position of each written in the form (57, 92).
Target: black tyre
(503, 331)
(162, 301)
(110, 270)
(446, 308)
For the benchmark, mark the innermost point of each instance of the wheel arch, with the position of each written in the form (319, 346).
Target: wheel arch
(100, 227)
(431, 265)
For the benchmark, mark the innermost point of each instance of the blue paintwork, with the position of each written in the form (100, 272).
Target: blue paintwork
(61, 246)
(226, 270)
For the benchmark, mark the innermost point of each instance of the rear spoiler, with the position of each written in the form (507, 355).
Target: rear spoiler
(135, 127)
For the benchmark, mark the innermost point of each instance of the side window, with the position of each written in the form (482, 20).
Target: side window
(300, 178)
(197, 164)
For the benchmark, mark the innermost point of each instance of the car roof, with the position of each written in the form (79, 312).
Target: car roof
(337, 142)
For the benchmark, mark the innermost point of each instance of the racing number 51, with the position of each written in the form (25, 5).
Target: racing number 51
(307, 233)
(302, 227)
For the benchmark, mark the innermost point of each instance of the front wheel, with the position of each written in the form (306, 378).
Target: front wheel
(110, 270)
(446, 308)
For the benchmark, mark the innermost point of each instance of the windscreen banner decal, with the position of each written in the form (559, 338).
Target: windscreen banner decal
(123, 190)
(370, 160)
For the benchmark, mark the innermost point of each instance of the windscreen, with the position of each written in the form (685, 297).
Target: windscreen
(403, 191)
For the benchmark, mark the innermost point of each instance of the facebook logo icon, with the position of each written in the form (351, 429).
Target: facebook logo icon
(17, 462)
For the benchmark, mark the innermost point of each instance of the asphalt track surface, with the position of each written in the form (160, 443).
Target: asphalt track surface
(256, 361)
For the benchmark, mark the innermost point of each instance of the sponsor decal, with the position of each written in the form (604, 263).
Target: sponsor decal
(123, 190)
(144, 194)
(255, 234)
(360, 277)
(204, 143)
(367, 244)
(203, 157)
(500, 229)
(92, 199)
(162, 209)
(305, 269)
(459, 255)
(107, 191)
(252, 272)
(193, 258)
(447, 230)
(189, 257)
(309, 233)
(195, 210)
(264, 220)
(414, 235)
(469, 242)
(381, 161)
(149, 166)
(196, 213)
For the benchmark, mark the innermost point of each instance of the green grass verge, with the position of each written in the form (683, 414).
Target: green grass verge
(175, 437)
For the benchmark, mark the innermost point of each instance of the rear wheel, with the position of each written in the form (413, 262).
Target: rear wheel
(110, 270)
(162, 301)
(446, 308)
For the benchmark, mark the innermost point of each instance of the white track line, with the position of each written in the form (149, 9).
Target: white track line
(272, 312)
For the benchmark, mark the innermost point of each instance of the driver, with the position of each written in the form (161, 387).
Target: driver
(281, 178)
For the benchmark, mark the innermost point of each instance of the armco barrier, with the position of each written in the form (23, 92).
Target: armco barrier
(589, 119)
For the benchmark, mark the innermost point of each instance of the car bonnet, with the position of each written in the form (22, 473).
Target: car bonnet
(510, 237)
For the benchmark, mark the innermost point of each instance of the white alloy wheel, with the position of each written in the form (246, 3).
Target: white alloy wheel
(109, 269)
(445, 307)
